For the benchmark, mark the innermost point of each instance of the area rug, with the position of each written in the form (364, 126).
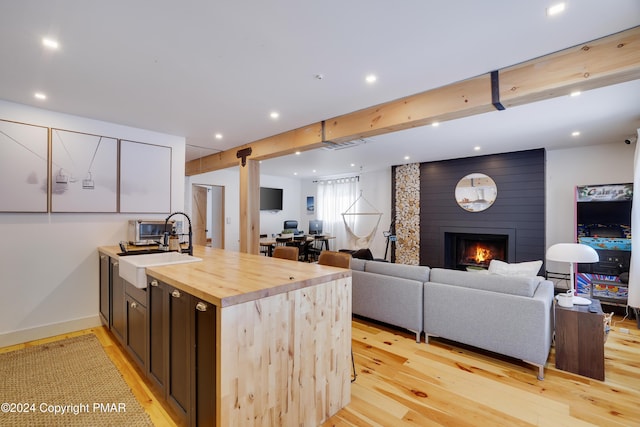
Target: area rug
(71, 382)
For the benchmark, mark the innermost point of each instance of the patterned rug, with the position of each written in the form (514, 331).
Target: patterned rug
(71, 382)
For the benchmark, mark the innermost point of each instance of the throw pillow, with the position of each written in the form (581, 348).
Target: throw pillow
(521, 269)
(363, 254)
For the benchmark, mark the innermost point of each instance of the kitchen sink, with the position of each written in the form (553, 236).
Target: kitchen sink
(133, 268)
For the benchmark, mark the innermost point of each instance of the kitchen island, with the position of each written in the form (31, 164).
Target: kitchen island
(279, 338)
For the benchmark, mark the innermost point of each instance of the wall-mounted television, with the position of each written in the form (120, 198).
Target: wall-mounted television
(270, 199)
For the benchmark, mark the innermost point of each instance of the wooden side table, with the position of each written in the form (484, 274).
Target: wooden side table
(580, 340)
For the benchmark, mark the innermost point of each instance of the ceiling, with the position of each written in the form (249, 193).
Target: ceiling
(197, 68)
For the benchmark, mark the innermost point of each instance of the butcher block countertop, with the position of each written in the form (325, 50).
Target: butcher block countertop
(226, 278)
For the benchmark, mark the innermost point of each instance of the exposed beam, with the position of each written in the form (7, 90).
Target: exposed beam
(301, 139)
(603, 62)
(606, 61)
(453, 101)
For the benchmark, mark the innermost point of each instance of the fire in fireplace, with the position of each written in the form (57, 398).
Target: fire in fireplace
(479, 253)
(475, 250)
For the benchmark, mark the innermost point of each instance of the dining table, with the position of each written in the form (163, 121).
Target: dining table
(270, 242)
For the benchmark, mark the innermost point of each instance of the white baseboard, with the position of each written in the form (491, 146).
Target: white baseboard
(46, 331)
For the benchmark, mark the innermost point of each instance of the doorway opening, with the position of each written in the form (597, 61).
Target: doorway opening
(207, 211)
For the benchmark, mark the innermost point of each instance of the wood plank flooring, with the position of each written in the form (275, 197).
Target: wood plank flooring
(403, 383)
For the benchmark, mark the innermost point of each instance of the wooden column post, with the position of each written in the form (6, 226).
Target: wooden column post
(250, 206)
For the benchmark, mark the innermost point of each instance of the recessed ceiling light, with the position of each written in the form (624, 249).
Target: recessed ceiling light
(435, 124)
(476, 148)
(371, 78)
(295, 173)
(353, 165)
(40, 95)
(556, 9)
(314, 171)
(50, 43)
(407, 157)
(575, 133)
(218, 136)
(274, 115)
(297, 153)
(575, 93)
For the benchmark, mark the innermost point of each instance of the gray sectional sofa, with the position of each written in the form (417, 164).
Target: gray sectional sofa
(509, 315)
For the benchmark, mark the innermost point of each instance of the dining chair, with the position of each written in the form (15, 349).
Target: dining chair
(343, 260)
(265, 249)
(286, 252)
(306, 252)
(335, 259)
(282, 241)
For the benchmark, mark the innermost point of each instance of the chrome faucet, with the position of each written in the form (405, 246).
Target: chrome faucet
(189, 249)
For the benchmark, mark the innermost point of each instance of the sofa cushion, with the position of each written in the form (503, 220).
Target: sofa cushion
(514, 285)
(411, 272)
(522, 269)
(392, 300)
(358, 264)
(363, 254)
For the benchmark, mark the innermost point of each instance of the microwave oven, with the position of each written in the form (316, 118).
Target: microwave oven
(148, 231)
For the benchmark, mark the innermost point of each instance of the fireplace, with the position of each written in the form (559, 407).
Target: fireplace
(474, 250)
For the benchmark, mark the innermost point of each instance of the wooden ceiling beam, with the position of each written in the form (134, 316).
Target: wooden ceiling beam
(306, 138)
(603, 62)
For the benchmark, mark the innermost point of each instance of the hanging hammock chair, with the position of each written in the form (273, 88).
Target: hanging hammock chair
(360, 242)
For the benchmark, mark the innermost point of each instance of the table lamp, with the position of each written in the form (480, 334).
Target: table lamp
(572, 253)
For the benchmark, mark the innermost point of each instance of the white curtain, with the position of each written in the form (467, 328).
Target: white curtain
(333, 198)
(634, 270)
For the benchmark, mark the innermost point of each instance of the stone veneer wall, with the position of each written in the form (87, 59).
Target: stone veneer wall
(407, 214)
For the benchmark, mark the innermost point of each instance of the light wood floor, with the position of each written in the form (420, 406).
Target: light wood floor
(403, 383)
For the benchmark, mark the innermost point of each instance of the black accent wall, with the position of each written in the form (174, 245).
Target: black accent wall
(519, 209)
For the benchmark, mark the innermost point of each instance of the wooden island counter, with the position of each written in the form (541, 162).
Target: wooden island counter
(277, 331)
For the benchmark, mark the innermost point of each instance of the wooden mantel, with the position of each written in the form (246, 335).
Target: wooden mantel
(602, 62)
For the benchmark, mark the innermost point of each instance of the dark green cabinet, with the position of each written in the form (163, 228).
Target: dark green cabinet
(158, 351)
(203, 361)
(179, 342)
(118, 314)
(105, 289)
(170, 334)
(112, 300)
(136, 326)
(182, 352)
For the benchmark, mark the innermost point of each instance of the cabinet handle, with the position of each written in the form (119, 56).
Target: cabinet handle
(115, 263)
(201, 306)
(134, 305)
(175, 293)
(154, 283)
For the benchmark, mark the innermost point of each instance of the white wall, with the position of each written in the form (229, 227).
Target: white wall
(270, 222)
(566, 169)
(49, 262)
(376, 189)
(292, 207)
(375, 186)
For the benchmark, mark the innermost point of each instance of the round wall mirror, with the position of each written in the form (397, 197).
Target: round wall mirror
(476, 192)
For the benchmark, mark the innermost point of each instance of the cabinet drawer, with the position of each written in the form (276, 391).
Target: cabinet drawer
(138, 294)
